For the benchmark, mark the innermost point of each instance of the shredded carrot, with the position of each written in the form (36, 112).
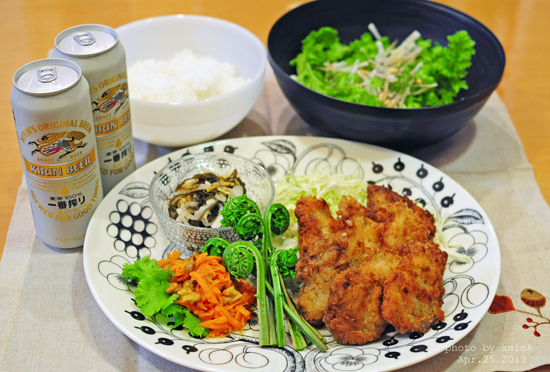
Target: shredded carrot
(206, 288)
(224, 311)
(217, 324)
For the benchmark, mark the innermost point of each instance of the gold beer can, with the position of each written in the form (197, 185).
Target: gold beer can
(50, 100)
(100, 55)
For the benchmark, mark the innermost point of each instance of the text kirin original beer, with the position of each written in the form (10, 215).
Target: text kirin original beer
(100, 55)
(51, 107)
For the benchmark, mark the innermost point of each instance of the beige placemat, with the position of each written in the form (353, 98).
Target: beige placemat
(50, 321)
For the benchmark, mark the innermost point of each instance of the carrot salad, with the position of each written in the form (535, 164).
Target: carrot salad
(205, 287)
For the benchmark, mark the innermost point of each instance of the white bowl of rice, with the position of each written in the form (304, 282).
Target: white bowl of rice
(191, 78)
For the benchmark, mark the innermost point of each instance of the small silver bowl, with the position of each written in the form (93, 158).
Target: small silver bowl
(258, 183)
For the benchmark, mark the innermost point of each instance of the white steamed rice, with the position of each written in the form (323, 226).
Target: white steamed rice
(186, 77)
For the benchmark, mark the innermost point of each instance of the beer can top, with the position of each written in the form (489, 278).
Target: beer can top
(47, 76)
(86, 40)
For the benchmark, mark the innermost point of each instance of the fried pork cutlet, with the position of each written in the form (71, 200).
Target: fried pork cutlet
(354, 309)
(413, 293)
(329, 245)
(405, 222)
(320, 252)
(369, 267)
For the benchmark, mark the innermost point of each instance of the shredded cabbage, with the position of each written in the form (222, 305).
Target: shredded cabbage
(330, 185)
(323, 183)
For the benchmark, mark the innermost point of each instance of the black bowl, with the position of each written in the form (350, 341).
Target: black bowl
(390, 127)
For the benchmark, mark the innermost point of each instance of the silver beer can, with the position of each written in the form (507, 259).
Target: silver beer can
(50, 100)
(100, 55)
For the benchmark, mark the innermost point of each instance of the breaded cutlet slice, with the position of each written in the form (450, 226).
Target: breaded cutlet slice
(413, 293)
(405, 222)
(353, 313)
(363, 235)
(329, 245)
(320, 251)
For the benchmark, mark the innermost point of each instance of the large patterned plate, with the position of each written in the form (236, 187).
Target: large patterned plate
(124, 228)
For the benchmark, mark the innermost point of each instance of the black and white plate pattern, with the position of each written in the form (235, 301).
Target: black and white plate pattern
(124, 228)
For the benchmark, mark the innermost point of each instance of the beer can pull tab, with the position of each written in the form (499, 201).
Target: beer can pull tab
(47, 74)
(84, 38)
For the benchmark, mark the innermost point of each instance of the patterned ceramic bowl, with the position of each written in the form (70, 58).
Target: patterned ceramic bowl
(258, 183)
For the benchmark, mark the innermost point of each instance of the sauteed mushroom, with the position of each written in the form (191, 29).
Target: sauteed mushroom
(199, 199)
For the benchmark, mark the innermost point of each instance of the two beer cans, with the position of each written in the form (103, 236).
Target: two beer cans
(73, 123)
